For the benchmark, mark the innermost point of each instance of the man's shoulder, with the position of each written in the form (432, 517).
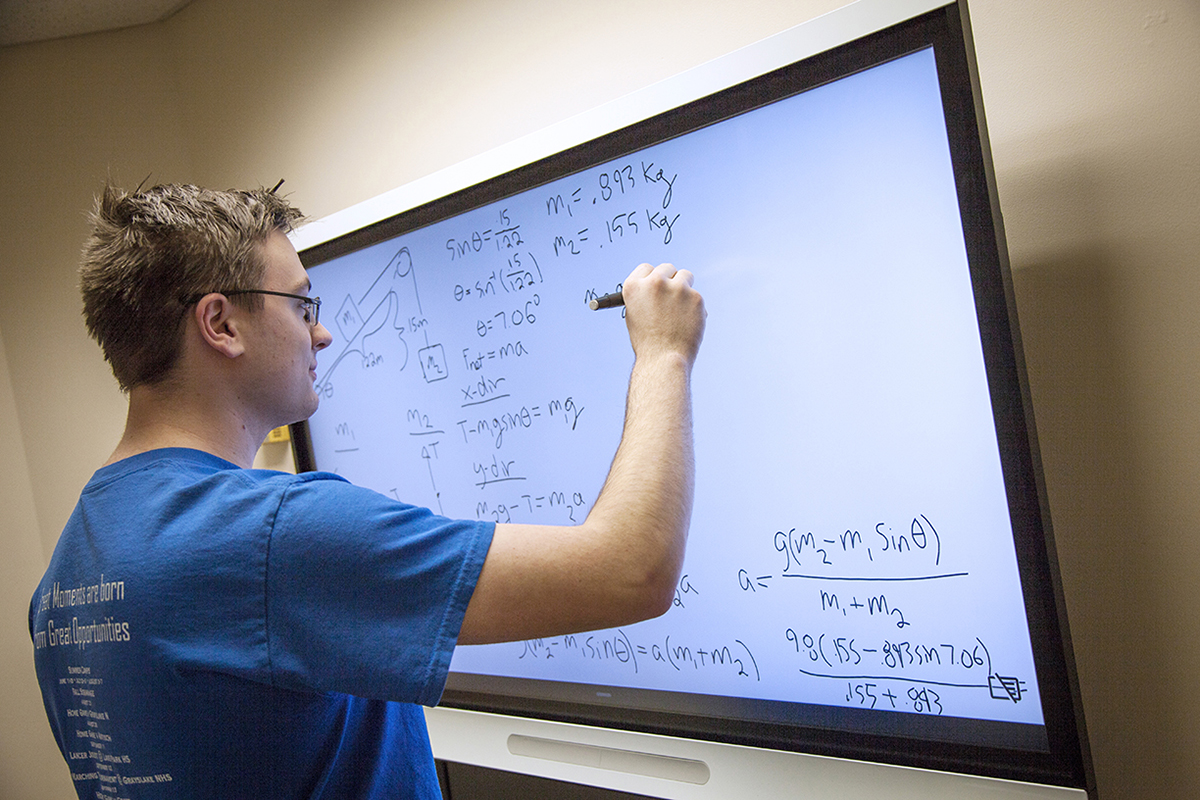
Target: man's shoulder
(174, 488)
(185, 466)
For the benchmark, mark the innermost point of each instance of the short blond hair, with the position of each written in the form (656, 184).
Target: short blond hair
(151, 252)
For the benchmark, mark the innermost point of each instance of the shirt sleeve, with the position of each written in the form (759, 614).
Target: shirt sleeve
(366, 595)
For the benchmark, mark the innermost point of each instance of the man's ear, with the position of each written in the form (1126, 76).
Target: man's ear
(219, 324)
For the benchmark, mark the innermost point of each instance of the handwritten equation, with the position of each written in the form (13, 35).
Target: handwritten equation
(681, 654)
(875, 588)
(652, 186)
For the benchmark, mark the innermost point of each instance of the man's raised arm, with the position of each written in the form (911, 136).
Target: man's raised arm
(622, 563)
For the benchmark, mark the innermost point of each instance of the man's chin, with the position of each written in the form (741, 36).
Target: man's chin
(312, 407)
(302, 416)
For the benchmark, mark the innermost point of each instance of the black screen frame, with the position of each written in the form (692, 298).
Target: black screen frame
(1066, 760)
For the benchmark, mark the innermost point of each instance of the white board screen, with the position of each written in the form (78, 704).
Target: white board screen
(851, 543)
(852, 564)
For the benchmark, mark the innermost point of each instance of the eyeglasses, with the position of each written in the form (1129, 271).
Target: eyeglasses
(312, 305)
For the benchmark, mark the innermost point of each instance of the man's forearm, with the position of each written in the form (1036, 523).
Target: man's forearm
(645, 506)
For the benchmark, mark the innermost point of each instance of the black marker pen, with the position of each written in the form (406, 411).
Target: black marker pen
(613, 300)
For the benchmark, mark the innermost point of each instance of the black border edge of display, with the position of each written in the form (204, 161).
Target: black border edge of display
(983, 229)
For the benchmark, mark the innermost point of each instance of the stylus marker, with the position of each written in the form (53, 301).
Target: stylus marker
(613, 300)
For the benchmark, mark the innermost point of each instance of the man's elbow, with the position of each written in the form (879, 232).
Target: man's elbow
(662, 601)
(642, 576)
(655, 593)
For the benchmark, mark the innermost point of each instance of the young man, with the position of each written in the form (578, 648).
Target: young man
(209, 630)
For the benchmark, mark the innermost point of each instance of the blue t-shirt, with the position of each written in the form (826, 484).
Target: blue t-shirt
(210, 631)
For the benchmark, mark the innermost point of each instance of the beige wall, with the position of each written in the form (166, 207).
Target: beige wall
(1095, 127)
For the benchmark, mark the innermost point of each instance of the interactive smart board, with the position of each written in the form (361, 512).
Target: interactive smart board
(865, 543)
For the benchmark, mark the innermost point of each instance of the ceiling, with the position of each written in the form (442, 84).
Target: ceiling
(23, 21)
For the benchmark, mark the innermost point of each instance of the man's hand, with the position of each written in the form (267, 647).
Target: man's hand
(663, 312)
